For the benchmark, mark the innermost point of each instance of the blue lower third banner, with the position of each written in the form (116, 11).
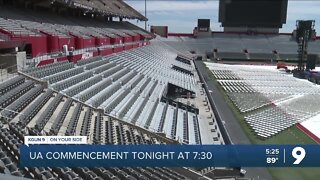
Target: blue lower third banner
(170, 156)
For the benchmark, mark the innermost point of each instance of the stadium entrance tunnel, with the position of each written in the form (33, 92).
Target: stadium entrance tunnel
(180, 69)
(180, 105)
(174, 92)
(183, 59)
(179, 92)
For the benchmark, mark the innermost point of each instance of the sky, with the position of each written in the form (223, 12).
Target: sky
(181, 15)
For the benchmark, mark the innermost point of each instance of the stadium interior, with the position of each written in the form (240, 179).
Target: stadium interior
(78, 67)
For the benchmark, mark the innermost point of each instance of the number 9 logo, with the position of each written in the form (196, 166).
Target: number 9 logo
(298, 153)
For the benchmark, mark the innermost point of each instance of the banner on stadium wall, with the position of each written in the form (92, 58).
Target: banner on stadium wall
(169, 155)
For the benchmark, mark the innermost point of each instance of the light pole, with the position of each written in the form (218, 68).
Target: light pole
(145, 14)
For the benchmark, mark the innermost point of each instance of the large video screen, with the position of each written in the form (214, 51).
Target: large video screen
(249, 13)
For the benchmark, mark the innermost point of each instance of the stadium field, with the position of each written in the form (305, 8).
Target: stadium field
(292, 135)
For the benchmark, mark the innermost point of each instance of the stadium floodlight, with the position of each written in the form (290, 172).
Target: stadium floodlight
(145, 14)
(304, 26)
(304, 33)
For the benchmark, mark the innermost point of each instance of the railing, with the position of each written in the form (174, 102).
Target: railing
(24, 33)
(13, 33)
(42, 56)
(81, 51)
(106, 46)
(222, 127)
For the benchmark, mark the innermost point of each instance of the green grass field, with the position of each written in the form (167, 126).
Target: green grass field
(292, 135)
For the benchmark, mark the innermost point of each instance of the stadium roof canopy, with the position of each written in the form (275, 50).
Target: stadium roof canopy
(116, 8)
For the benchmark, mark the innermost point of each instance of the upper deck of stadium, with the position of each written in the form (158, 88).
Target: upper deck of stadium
(243, 46)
